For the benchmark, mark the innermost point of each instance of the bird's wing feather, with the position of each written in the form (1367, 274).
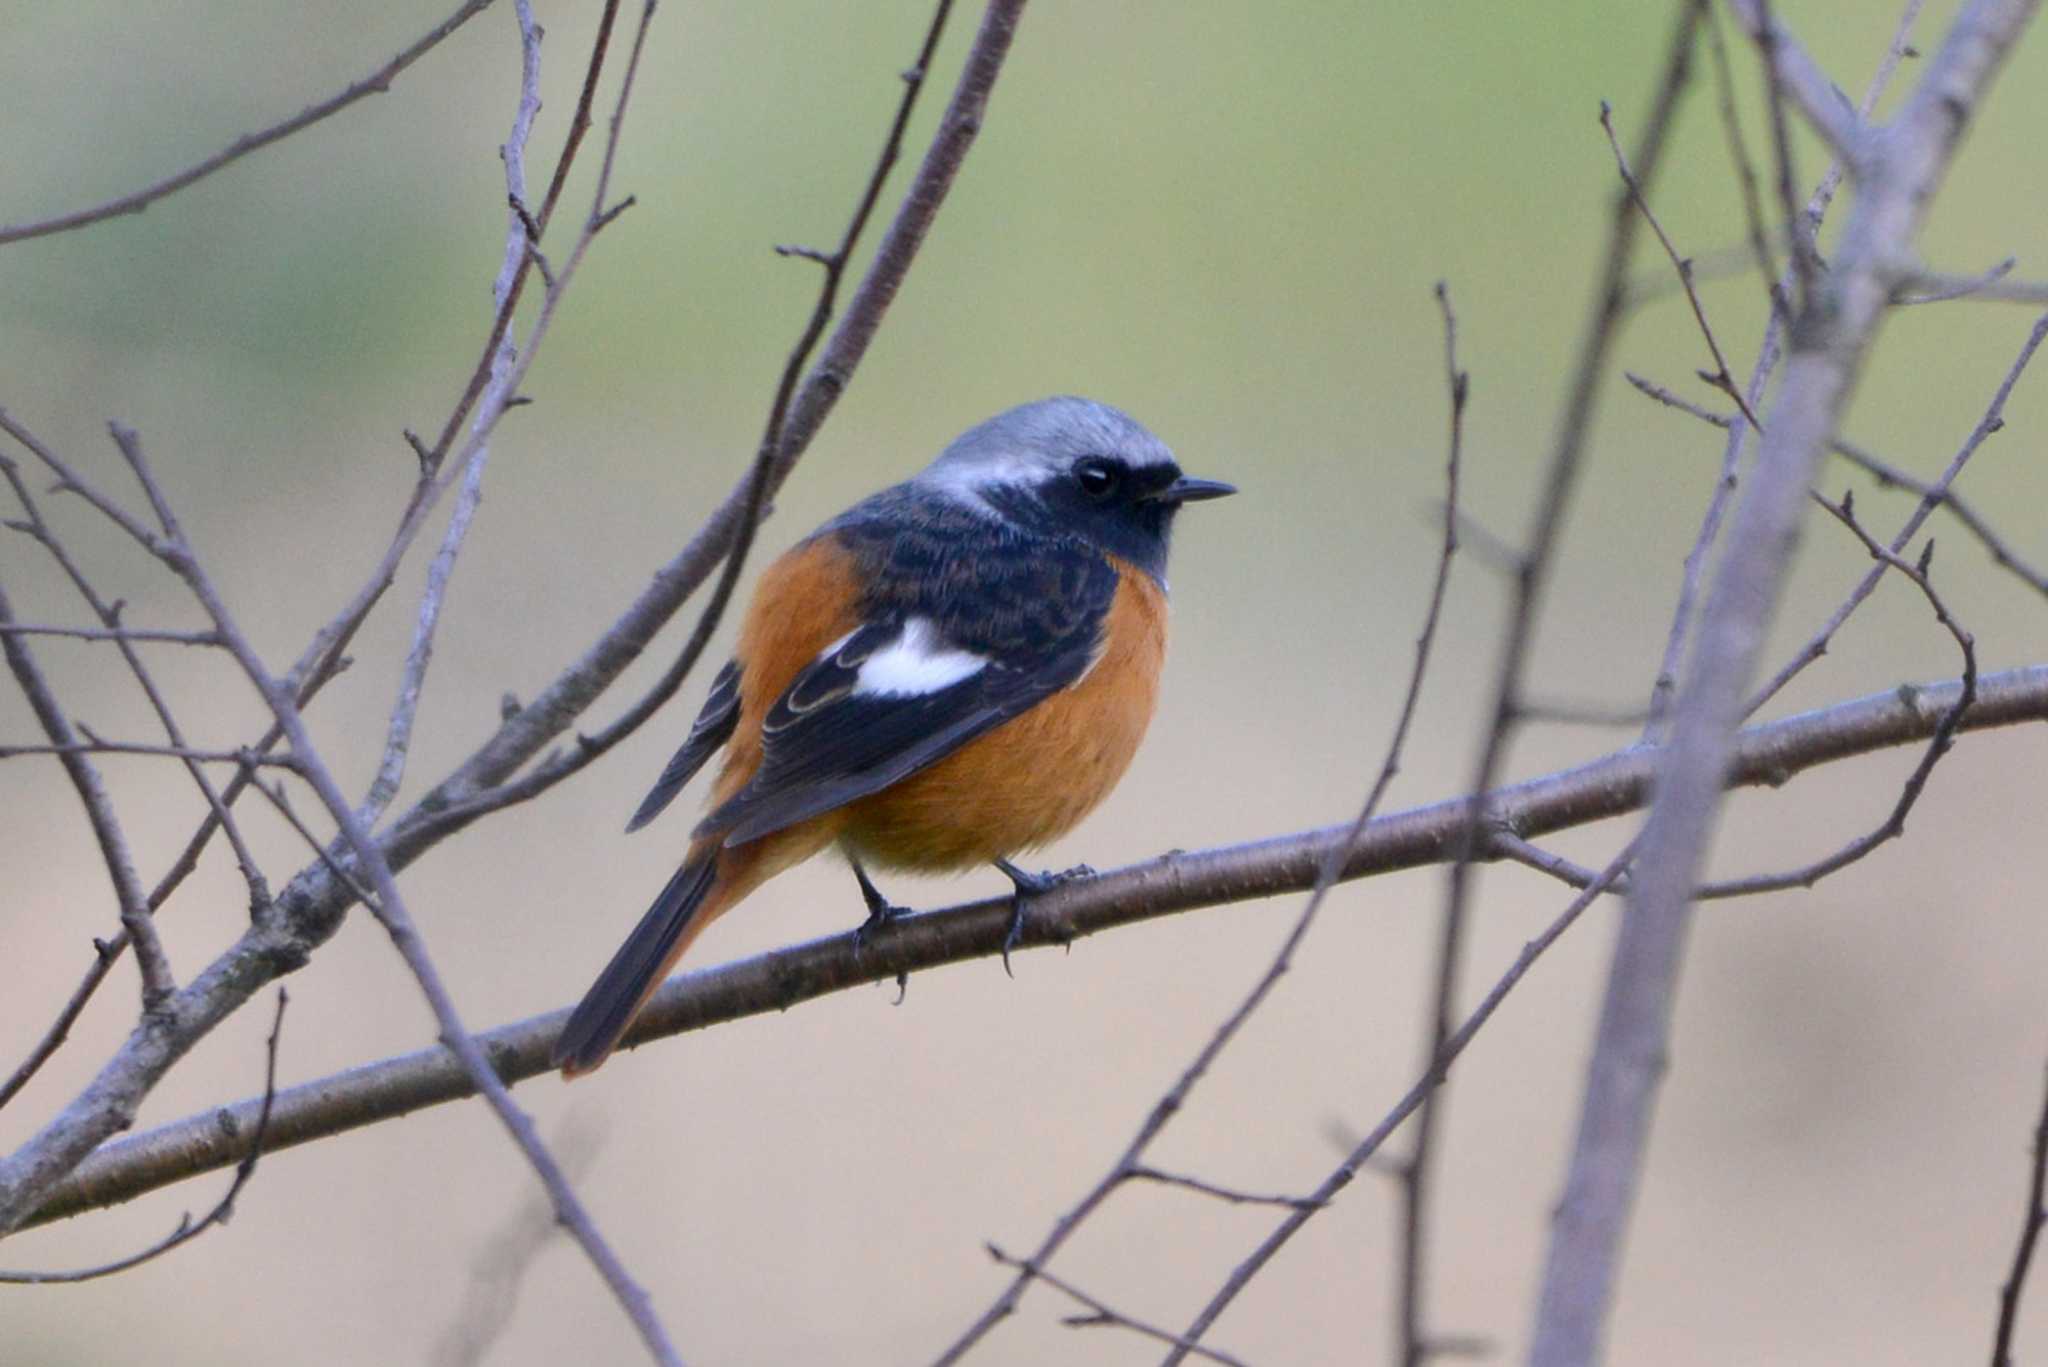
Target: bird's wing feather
(917, 682)
(712, 729)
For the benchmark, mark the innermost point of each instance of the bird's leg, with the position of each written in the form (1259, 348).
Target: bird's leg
(1029, 885)
(881, 910)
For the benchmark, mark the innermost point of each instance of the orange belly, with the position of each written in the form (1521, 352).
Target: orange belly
(1032, 778)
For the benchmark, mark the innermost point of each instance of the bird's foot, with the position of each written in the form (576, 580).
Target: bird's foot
(881, 911)
(1029, 885)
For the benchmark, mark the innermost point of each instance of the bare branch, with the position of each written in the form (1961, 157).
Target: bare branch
(2035, 1216)
(1693, 575)
(1745, 177)
(1794, 72)
(1720, 378)
(157, 980)
(183, 638)
(1888, 476)
(223, 1210)
(1227, 1195)
(1362, 1155)
(1828, 342)
(99, 746)
(1933, 287)
(521, 244)
(1415, 1173)
(1992, 421)
(1891, 475)
(1100, 1315)
(376, 83)
(1767, 755)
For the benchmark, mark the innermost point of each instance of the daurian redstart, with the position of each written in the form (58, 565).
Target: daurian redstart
(947, 673)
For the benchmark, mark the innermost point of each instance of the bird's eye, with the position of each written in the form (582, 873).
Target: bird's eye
(1097, 477)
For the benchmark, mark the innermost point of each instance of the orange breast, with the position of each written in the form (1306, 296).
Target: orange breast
(1032, 778)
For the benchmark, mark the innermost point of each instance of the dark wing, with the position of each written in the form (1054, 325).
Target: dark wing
(904, 691)
(712, 729)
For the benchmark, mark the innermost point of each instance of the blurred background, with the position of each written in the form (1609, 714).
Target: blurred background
(1226, 218)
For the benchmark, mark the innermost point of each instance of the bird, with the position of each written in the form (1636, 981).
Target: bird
(952, 671)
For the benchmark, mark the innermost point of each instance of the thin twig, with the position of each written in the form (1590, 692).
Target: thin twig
(1367, 1148)
(1745, 175)
(158, 983)
(376, 83)
(189, 755)
(1508, 845)
(1925, 289)
(1411, 1338)
(1720, 378)
(112, 634)
(2031, 1221)
(761, 474)
(1933, 287)
(521, 241)
(1806, 268)
(1795, 75)
(1887, 474)
(1101, 1315)
(1938, 745)
(1693, 575)
(1992, 421)
(188, 1229)
(1227, 1195)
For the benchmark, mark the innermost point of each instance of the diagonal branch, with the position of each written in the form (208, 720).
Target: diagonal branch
(2031, 1224)
(376, 83)
(157, 981)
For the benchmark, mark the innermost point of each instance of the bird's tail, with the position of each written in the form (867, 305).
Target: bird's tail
(612, 1002)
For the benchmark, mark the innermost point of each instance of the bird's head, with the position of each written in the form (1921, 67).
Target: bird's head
(1078, 467)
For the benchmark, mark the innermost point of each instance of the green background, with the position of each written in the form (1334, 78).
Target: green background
(1227, 219)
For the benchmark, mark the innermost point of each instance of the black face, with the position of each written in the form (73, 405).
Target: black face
(1125, 510)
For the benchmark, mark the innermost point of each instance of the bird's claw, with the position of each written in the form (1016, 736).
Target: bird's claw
(880, 914)
(1029, 885)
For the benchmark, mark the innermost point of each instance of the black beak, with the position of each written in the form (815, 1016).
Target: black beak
(1189, 490)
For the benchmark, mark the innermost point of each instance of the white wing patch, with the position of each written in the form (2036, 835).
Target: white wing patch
(917, 662)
